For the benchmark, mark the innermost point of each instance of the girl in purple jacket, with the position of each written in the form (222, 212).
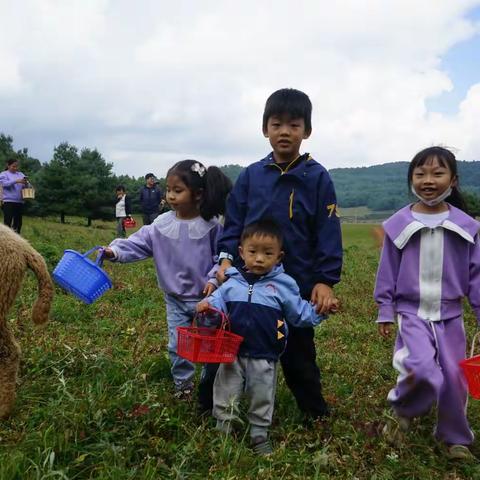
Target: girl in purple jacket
(183, 245)
(430, 261)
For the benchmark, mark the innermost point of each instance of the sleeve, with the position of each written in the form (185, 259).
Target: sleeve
(134, 248)
(128, 205)
(140, 197)
(474, 279)
(215, 234)
(5, 182)
(236, 212)
(386, 281)
(216, 299)
(328, 236)
(298, 312)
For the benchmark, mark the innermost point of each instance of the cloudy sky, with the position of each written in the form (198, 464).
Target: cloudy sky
(148, 83)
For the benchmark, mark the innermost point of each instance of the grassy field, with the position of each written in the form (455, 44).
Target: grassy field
(95, 395)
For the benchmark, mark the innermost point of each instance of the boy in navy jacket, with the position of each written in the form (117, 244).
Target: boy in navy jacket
(259, 298)
(298, 193)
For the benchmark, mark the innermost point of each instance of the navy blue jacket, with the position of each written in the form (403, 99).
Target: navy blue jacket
(150, 199)
(259, 311)
(302, 200)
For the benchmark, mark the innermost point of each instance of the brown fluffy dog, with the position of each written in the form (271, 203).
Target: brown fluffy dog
(16, 255)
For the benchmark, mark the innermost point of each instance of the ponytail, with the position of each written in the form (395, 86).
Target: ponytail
(217, 188)
(456, 199)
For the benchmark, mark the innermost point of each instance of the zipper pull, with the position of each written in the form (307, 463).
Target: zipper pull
(250, 291)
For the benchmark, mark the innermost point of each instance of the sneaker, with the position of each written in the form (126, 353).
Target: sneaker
(184, 394)
(395, 428)
(262, 446)
(459, 452)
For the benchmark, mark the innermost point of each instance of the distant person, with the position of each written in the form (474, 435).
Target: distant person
(430, 261)
(123, 210)
(183, 245)
(258, 297)
(298, 193)
(12, 181)
(150, 199)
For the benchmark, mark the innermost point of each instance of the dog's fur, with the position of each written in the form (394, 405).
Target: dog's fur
(16, 255)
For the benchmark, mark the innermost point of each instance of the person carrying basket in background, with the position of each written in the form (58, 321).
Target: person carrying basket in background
(430, 261)
(183, 245)
(259, 299)
(13, 181)
(123, 210)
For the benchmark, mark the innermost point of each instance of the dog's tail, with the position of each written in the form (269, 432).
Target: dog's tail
(42, 306)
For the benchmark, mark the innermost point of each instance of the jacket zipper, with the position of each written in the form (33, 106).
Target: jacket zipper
(250, 291)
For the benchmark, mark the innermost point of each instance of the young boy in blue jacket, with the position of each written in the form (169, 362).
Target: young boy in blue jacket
(259, 299)
(298, 193)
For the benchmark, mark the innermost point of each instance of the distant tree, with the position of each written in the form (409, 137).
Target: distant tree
(473, 203)
(73, 184)
(232, 171)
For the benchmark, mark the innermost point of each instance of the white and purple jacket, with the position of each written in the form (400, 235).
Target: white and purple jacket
(427, 271)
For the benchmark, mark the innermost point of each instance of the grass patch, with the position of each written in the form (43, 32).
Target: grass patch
(95, 395)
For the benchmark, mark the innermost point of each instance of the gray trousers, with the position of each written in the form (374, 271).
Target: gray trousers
(257, 378)
(121, 233)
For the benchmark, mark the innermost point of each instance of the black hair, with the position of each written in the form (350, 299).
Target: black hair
(149, 175)
(213, 184)
(265, 227)
(447, 160)
(10, 161)
(120, 187)
(291, 102)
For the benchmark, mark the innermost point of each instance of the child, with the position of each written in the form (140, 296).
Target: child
(430, 261)
(258, 298)
(298, 194)
(123, 209)
(183, 244)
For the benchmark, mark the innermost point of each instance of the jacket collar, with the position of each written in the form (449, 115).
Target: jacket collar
(269, 162)
(402, 225)
(234, 272)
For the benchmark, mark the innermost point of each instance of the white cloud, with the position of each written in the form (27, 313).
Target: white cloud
(153, 82)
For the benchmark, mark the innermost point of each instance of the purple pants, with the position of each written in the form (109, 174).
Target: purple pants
(427, 356)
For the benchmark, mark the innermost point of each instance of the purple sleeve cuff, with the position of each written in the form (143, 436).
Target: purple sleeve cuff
(386, 313)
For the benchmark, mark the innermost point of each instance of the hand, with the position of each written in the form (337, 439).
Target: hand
(209, 289)
(221, 277)
(108, 252)
(385, 329)
(202, 306)
(322, 296)
(335, 307)
(23, 181)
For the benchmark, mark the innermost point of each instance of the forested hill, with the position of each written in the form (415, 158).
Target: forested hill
(381, 187)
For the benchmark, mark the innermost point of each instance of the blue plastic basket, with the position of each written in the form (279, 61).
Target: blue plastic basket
(80, 276)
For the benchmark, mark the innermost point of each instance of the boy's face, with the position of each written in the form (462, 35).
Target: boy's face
(286, 135)
(260, 253)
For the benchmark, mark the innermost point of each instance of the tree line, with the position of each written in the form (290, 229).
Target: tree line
(81, 183)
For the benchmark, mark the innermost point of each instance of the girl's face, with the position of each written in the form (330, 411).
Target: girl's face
(13, 167)
(181, 198)
(432, 179)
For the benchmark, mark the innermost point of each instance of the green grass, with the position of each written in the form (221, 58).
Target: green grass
(95, 395)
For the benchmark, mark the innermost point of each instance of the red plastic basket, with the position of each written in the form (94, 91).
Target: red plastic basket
(208, 344)
(129, 223)
(471, 369)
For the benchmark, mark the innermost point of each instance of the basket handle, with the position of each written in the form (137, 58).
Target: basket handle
(99, 259)
(225, 320)
(472, 349)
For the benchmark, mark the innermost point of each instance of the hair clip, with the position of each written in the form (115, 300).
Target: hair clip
(198, 168)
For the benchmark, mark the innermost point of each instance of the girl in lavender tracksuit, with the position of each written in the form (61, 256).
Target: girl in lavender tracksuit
(183, 245)
(430, 261)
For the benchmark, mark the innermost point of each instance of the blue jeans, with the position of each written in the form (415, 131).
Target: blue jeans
(180, 313)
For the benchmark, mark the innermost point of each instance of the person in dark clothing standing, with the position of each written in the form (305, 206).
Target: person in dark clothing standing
(12, 181)
(150, 199)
